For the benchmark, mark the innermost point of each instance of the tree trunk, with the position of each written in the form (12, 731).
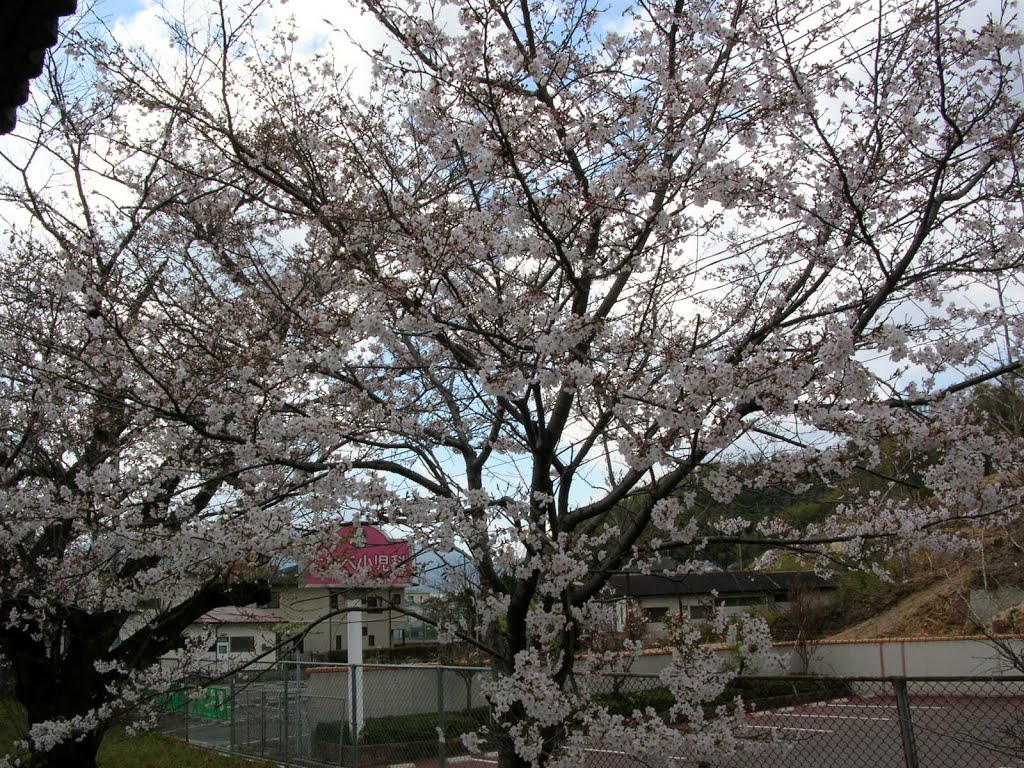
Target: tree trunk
(55, 665)
(55, 687)
(507, 757)
(80, 754)
(57, 700)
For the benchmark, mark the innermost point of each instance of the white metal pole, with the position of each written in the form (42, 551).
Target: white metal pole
(355, 660)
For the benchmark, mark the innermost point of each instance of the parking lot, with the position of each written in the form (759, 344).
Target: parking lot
(865, 733)
(854, 732)
(949, 732)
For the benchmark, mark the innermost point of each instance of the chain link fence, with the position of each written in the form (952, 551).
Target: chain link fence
(895, 723)
(306, 715)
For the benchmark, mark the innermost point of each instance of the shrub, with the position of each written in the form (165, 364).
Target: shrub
(756, 688)
(751, 689)
(401, 728)
(659, 699)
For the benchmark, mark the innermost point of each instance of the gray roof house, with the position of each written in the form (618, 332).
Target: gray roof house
(696, 595)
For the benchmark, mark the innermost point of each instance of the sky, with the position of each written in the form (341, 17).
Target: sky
(318, 23)
(336, 24)
(125, 9)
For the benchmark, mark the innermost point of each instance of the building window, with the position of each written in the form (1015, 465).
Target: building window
(332, 600)
(700, 611)
(337, 642)
(243, 644)
(655, 614)
(371, 640)
(373, 605)
(743, 601)
(364, 631)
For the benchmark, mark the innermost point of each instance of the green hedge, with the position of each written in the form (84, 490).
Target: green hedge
(659, 699)
(399, 728)
(752, 689)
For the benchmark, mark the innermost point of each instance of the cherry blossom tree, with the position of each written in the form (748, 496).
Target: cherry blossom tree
(153, 438)
(535, 290)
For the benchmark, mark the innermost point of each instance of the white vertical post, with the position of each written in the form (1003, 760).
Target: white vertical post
(355, 660)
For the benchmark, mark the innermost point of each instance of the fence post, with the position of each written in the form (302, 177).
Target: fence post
(299, 751)
(248, 721)
(442, 756)
(906, 726)
(263, 722)
(232, 707)
(188, 705)
(355, 709)
(284, 714)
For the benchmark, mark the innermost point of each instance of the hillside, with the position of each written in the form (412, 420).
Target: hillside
(935, 610)
(941, 595)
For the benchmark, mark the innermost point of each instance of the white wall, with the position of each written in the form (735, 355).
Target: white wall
(206, 634)
(390, 691)
(910, 657)
(263, 636)
(652, 662)
(914, 657)
(414, 689)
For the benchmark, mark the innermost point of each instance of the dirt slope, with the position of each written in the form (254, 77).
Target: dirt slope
(936, 610)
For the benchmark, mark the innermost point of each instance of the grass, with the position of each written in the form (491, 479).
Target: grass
(154, 750)
(119, 750)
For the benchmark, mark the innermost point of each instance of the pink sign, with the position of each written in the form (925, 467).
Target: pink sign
(366, 555)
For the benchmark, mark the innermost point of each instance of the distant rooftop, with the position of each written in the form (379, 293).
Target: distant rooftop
(230, 614)
(722, 582)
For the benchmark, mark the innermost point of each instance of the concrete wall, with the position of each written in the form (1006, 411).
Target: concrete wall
(391, 691)
(914, 657)
(906, 657)
(414, 689)
(652, 662)
(983, 604)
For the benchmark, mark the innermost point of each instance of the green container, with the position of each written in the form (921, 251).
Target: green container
(213, 705)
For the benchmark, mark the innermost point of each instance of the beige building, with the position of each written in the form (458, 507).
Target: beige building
(313, 601)
(313, 607)
(233, 635)
(238, 634)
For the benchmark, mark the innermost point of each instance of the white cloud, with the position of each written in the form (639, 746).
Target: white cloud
(336, 28)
